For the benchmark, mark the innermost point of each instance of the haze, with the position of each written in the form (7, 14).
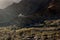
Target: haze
(6, 3)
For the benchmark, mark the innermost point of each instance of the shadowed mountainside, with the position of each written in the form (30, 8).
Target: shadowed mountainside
(32, 8)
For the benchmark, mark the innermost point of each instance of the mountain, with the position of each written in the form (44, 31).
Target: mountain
(7, 15)
(36, 11)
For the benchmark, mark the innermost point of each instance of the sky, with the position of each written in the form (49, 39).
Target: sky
(6, 3)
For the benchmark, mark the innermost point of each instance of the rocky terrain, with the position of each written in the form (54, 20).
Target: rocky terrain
(49, 31)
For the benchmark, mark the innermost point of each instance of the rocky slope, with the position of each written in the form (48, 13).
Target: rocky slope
(10, 14)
